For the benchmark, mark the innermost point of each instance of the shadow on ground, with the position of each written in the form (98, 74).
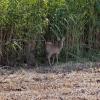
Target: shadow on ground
(57, 68)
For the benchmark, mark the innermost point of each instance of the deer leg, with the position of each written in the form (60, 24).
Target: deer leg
(57, 58)
(53, 59)
(49, 60)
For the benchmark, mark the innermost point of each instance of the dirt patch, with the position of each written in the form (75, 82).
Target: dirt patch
(32, 85)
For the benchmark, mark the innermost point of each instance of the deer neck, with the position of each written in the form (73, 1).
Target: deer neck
(62, 43)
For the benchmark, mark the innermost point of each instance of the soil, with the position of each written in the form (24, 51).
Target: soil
(47, 84)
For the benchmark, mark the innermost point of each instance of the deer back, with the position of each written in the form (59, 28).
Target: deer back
(52, 48)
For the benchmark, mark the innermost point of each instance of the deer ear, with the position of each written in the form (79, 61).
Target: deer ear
(58, 39)
(63, 38)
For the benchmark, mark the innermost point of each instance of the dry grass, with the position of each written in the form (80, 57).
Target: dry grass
(32, 85)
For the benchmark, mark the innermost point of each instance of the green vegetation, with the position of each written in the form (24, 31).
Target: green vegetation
(24, 20)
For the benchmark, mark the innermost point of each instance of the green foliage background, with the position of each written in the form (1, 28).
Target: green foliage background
(25, 20)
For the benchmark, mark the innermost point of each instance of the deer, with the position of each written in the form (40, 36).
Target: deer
(53, 50)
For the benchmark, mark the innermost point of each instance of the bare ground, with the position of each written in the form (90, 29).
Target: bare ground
(32, 84)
